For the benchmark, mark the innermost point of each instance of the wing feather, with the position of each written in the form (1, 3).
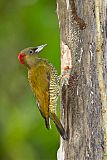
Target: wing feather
(39, 78)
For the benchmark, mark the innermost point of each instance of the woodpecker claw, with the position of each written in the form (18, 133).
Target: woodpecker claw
(65, 76)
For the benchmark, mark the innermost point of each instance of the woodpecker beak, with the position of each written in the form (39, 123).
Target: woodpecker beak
(21, 58)
(39, 48)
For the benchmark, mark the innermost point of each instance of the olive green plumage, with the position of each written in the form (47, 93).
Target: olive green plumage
(44, 82)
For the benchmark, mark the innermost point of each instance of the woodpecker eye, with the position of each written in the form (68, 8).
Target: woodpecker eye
(31, 51)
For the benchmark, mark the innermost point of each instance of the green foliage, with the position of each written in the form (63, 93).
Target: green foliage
(25, 23)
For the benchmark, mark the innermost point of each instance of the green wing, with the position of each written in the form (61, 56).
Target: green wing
(39, 78)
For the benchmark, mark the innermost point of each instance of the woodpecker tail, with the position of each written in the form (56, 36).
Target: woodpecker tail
(47, 123)
(58, 126)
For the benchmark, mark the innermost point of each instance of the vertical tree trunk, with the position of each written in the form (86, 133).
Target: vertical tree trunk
(84, 99)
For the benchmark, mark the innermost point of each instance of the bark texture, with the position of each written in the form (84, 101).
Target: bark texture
(83, 100)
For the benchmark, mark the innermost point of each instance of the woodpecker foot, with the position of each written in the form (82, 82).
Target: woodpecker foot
(68, 74)
(65, 76)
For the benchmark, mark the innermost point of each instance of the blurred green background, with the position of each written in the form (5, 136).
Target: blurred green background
(25, 23)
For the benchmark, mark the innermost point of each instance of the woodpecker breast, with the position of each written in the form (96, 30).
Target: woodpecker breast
(53, 89)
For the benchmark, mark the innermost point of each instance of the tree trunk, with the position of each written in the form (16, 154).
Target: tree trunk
(83, 65)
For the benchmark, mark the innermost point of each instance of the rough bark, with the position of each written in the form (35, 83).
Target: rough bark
(83, 63)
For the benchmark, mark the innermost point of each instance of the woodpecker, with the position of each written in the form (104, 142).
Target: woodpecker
(44, 82)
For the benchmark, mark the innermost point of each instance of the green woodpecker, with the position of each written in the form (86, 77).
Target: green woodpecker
(44, 81)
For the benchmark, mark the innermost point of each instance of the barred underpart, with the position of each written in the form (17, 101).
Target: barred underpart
(53, 90)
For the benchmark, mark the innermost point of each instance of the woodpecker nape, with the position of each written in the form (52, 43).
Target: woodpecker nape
(44, 81)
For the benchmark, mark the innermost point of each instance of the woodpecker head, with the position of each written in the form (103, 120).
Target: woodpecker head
(29, 55)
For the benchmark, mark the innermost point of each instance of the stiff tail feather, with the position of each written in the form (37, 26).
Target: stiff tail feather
(47, 123)
(58, 126)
